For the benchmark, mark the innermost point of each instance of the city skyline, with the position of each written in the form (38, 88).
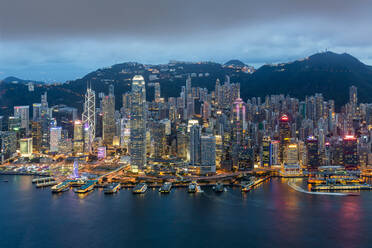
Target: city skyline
(169, 123)
(209, 144)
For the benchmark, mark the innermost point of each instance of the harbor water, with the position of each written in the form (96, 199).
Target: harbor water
(271, 215)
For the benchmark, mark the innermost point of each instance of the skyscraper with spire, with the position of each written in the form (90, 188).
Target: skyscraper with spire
(89, 119)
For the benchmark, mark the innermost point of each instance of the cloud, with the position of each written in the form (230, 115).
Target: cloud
(75, 35)
(156, 19)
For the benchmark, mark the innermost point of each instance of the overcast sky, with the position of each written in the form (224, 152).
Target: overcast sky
(65, 39)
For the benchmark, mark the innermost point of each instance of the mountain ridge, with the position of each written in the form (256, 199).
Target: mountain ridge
(328, 73)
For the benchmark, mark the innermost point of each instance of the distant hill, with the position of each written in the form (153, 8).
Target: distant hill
(18, 80)
(235, 62)
(328, 73)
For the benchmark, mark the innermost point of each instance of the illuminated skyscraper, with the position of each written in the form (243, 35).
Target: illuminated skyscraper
(190, 108)
(274, 156)
(284, 135)
(138, 124)
(89, 119)
(55, 137)
(219, 150)
(36, 111)
(75, 170)
(239, 121)
(157, 92)
(108, 119)
(313, 160)
(44, 105)
(291, 154)
(350, 152)
(158, 139)
(78, 137)
(14, 123)
(25, 147)
(266, 152)
(194, 145)
(23, 112)
(353, 97)
(126, 103)
(182, 142)
(8, 145)
(208, 154)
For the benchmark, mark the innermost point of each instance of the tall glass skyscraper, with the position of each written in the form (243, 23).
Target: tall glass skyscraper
(89, 118)
(108, 120)
(138, 124)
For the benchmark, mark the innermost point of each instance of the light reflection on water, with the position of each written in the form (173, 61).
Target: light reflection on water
(273, 214)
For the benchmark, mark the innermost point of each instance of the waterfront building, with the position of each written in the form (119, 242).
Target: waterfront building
(208, 154)
(266, 152)
(246, 158)
(182, 142)
(313, 161)
(350, 152)
(291, 161)
(274, 155)
(8, 145)
(194, 145)
(25, 147)
(158, 139)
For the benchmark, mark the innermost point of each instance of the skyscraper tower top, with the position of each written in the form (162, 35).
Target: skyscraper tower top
(353, 95)
(138, 79)
(284, 118)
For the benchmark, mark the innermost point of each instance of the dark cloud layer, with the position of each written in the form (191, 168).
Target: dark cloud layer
(165, 17)
(38, 37)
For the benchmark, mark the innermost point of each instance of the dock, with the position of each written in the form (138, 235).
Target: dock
(46, 184)
(88, 186)
(42, 179)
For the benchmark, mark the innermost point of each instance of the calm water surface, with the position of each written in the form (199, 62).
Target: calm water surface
(272, 215)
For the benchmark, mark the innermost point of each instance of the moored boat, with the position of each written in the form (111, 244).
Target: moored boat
(166, 187)
(194, 187)
(140, 188)
(218, 188)
(112, 188)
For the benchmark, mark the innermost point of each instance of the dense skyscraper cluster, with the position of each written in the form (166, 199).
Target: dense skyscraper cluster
(200, 131)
